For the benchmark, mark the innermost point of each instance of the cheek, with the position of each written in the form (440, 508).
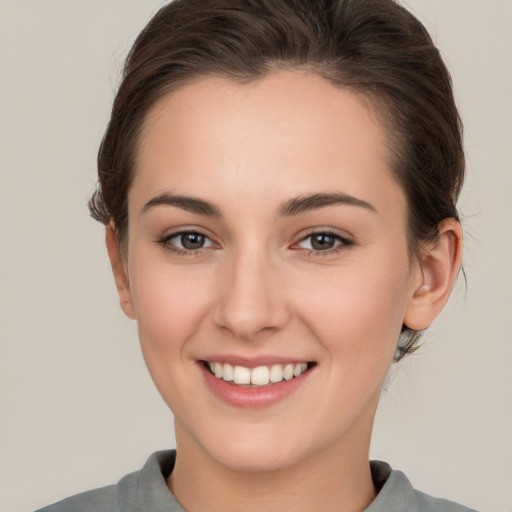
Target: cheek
(169, 306)
(357, 311)
(170, 302)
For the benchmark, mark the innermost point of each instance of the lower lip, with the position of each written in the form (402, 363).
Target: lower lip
(252, 397)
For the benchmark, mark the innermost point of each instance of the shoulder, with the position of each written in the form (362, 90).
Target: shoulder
(142, 490)
(99, 500)
(397, 494)
(430, 504)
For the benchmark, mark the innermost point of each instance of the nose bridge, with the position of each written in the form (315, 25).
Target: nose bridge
(252, 301)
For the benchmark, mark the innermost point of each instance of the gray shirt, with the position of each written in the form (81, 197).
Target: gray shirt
(146, 491)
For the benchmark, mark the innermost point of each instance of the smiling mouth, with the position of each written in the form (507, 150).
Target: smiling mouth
(259, 376)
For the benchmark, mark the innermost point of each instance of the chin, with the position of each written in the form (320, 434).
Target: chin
(255, 459)
(264, 451)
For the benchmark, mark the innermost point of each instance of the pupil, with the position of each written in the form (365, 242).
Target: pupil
(192, 240)
(322, 242)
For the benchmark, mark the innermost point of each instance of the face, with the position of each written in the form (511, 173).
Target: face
(267, 237)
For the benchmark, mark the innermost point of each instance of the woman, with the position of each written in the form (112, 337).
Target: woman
(278, 183)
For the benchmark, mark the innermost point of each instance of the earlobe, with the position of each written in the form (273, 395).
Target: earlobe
(437, 270)
(119, 271)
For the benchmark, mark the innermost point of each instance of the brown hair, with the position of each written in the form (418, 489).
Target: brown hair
(374, 47)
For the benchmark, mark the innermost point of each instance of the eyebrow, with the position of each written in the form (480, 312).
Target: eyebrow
(189, 204)
(307, 203)
(289, 208)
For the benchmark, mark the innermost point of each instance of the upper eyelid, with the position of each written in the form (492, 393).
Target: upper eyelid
(184, 231)
(166, 238)
(181, 233)
(346, 237)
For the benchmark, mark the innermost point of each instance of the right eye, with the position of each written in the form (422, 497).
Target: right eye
(186, 242)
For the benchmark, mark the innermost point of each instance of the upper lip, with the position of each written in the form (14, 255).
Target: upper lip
(253, 362)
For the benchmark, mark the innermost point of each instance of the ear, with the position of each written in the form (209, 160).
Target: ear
(435, 276)
(119, 270)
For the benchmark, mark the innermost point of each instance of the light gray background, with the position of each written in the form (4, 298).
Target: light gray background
(78, 408)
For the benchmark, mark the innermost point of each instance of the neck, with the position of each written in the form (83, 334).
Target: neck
(334, 479)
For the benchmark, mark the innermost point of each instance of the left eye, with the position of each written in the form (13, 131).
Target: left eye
(189, 241)
(322, 242)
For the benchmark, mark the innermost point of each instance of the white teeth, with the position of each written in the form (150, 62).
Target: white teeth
(218, 370)
(227, 373)
(288, 372)
(276, 373)
(241, 375)
(259, 376)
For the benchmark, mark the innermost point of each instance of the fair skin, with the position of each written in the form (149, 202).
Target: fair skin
(264, 279)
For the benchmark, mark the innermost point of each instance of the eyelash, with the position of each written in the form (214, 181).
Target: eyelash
(165, 242)
(343, 243)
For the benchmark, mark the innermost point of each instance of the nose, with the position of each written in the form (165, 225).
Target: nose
(252, 301)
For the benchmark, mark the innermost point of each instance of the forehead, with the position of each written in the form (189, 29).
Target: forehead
(282, 134)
